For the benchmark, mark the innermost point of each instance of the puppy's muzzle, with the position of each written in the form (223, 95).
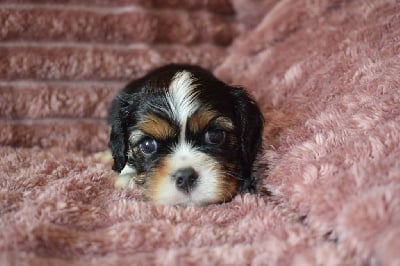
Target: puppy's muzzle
(185, 179)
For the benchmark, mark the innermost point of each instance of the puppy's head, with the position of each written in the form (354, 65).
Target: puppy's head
(184, 137)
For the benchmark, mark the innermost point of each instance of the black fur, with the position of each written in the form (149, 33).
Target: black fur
(235, 102)
(251, 126)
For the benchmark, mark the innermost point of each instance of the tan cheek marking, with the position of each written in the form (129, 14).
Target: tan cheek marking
(198, 121)
(140, 179)
(156, 127)
(156, 181)
(227, 185)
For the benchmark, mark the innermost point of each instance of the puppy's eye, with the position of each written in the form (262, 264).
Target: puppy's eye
(214, 137)
(148, 146)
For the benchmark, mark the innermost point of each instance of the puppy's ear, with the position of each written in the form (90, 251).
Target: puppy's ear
(251, 123)
(118, 133)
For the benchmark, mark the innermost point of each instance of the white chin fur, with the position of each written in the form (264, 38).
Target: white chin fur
(206, 188)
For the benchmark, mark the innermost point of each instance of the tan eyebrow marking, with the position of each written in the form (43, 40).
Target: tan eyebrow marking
(225, 123)
(200, 120)
(156, 127)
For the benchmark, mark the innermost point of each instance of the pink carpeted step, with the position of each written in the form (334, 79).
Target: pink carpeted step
(216, 6)
(81, 62)
(115, 25)
(21, 100)
(74, 134)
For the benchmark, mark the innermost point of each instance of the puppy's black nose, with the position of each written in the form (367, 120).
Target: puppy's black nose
(185, 179)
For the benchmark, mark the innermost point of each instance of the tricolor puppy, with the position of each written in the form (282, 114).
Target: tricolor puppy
(184, 137)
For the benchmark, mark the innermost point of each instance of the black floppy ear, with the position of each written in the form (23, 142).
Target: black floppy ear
(118, 134)
(251, 123)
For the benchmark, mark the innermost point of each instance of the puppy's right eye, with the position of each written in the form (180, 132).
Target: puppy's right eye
(148, 146)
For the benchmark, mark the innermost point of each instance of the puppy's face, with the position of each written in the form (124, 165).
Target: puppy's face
(184, 137)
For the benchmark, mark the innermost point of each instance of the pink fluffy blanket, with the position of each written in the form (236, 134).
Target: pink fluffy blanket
(326, 75)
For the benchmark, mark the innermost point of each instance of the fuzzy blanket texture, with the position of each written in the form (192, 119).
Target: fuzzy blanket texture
(326, 74)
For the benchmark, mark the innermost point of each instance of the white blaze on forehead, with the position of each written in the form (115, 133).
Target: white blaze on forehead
(181, 97)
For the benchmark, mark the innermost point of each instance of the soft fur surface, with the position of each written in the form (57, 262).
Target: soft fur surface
(326, 74)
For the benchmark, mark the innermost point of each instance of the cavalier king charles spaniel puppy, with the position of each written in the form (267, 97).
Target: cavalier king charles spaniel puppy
(184, 137)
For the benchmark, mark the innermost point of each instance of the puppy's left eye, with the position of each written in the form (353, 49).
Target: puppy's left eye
(214, 137)
(148, 146)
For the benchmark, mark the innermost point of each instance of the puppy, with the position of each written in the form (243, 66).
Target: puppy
(184, 137)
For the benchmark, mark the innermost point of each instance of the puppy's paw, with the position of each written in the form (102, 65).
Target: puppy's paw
(126, 179)
(104, 156)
